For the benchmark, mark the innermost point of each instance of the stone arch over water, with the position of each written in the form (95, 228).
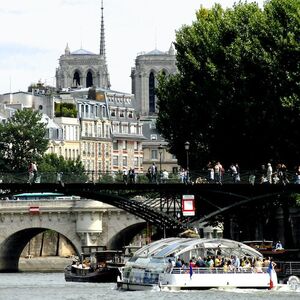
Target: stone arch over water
(12, 246)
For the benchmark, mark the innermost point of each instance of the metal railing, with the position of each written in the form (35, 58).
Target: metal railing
(219, 270)
(195, 177)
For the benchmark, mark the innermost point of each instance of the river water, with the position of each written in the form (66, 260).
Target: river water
(52, 286)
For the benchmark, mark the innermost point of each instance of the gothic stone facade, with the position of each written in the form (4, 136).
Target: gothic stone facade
(81, 68)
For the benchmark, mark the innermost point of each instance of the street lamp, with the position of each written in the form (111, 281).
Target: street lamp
(187, 148)
(160, 151)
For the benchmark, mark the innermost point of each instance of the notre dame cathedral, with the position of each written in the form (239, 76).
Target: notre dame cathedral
(82, 69)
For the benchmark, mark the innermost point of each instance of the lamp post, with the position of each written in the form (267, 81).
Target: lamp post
(160, 150)
(187, 148)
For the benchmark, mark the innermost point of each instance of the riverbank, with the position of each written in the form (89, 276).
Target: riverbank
(44, 264)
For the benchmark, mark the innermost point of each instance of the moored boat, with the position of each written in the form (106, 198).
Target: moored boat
(99, 266)
(156, 266)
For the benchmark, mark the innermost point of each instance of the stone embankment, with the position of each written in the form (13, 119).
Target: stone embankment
(44, 264)
(46, 252)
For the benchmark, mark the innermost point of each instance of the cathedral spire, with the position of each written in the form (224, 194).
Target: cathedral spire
(102, 36)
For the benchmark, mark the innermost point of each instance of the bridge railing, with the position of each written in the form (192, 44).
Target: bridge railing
(194, 177)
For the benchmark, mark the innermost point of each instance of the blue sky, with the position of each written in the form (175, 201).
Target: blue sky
(34, 34)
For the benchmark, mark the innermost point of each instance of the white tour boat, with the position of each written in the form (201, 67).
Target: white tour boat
(153, 266)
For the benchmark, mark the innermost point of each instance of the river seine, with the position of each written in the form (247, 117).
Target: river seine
(49, 286)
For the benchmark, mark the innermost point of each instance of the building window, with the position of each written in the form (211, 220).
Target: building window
(76, 79)
(125, 129)
(136, 146)
(133, 129)
(124, 145)
(89, 79)
(153, 137)
(151, 93)
(86, 130)
(154, 154)
(124, 161)
(136, 162)
(152, 125)
(115, 160)
(115, 145)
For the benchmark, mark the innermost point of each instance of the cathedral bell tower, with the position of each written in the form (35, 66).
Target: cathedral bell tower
(82, 68)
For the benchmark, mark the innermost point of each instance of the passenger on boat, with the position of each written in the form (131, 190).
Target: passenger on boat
(210, 262)
(247, 265)
(178, 263)
(278, 246)
(218, 261)
(258, 265)
(236, 262)
(171, 265)
(200, 263)
(266, 262)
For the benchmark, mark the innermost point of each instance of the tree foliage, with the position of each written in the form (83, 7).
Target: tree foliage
(236, 95)
(70, 170)
(22, 139)
(65, 110)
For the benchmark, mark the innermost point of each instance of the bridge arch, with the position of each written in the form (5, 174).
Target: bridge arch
(125, 235)
(16, 239)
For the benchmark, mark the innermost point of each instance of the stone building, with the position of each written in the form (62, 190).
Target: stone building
(69, 147)
(144, 77)
(95, 132)
(144, 81)
(82, 68)
(111, 134)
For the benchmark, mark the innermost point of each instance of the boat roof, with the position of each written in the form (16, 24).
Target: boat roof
(177, 246)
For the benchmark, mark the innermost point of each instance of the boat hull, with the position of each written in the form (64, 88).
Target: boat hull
(184, 281)
(103, 275)
(222, 280)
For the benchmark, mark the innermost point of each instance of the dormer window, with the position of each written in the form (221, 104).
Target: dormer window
(113, 113)
(153, 137)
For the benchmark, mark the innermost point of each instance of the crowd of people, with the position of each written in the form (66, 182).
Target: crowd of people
(215, 174)
(226, 264)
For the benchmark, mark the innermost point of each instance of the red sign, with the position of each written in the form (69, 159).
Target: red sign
(34, 209)
(188, 205)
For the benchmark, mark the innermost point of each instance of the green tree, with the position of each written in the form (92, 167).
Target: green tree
(70, 170)
(22, 140)
(236, 95)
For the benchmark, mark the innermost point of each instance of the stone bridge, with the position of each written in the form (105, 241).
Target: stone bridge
(81, 222)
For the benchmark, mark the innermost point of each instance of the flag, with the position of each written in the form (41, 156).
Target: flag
(269, 271)
(34, 209)
(191, 270)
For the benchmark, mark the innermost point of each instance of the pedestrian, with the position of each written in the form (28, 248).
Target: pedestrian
(298, 175)
(30, 173)
(125, 175)
(165, 176)
(153, 173)
(131, 175)
(233, 171)
(35, 171)
(269, 173)
(210, 170)
(59, 177)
